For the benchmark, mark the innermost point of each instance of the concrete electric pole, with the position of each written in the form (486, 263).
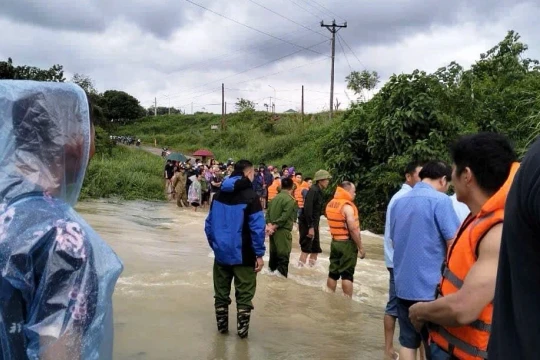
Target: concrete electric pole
(333, 28)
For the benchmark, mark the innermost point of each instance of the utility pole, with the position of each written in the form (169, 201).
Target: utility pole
(302, 101)
(155, 106)
(333, 28)
(222, 106)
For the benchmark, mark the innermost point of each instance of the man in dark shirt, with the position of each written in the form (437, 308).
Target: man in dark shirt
(169, 170)
(515, 331)
(308, 222)
(215, 182)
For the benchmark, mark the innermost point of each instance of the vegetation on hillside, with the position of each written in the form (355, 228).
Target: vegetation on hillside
(257, 136)
(127, 173)
(418, 115)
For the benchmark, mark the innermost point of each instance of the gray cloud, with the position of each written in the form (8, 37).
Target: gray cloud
(159, 17)
(170, 47)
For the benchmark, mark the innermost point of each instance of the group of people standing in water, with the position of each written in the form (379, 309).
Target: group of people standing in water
(451, 288)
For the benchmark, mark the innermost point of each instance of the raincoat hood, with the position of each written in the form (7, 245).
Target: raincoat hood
(44, 139)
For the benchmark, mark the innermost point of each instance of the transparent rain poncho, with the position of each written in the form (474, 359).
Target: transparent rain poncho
(57, 275)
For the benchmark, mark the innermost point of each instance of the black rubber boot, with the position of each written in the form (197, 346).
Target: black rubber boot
(222, 318)
(243, 322)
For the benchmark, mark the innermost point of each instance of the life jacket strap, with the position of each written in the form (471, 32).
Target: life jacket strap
(455, 342)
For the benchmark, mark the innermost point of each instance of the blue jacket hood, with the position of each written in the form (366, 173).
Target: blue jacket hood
(44, 139)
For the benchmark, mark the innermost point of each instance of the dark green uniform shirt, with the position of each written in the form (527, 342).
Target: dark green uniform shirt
(282, 211)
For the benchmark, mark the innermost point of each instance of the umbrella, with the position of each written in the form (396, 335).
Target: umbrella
(177, 157)
(203, 153)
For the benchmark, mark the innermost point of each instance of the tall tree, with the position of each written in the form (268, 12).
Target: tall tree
(121, 105)
(362, 82)
(244, 105)
(85, 82)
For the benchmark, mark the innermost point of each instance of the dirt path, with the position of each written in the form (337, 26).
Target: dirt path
(157, 151)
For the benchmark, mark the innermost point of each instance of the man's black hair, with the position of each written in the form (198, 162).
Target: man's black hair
(287, 184)
(411, 167)
(298, 173)
(308, 179)
(488, 155)
(242, 165)
(435, 170)
(283, 167)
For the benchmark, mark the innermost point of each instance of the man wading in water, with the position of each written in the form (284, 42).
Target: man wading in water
(280, 218)
(344, 223)
(308, 222)
(235, 229)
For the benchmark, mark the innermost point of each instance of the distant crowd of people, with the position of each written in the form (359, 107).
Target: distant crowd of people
(126, 140)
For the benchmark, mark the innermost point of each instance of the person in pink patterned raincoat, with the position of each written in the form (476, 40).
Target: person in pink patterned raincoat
(57, 275)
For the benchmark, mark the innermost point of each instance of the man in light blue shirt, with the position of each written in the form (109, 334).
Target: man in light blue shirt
(422, 224)
(411, 178)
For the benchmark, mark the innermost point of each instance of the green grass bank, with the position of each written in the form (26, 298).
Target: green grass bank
(290, 139)
(126, 173)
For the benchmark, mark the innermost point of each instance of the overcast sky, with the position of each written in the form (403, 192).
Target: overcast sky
(176, 48)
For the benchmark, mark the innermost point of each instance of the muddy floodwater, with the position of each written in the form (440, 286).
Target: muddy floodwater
(163, 302)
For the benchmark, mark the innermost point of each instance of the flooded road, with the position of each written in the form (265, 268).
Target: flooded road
(163, 302)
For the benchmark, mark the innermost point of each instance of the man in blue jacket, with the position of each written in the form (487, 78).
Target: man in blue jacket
(235, 229)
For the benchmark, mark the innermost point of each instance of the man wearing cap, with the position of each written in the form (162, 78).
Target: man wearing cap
(308, 222)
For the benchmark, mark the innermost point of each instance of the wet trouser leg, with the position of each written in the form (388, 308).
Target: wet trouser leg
(245, 283)
(223, 277)
(280, 251)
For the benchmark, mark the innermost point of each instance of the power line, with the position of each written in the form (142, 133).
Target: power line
(286, 18)
(228, 57)
(346, 58)
(351, 51)
(317, 91)
(313, 7)
(306, 10)
(254, 29)
(253, 67)
(328, 10)
(280, 72)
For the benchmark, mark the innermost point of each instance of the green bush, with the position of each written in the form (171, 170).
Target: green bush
(127, 173)
(418, 116)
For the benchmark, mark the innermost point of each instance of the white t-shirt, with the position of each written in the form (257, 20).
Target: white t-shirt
(462, 210)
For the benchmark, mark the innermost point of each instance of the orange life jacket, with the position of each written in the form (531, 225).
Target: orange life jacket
(336, 220)
(470, 341)
(298, 193)
(273, 189)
